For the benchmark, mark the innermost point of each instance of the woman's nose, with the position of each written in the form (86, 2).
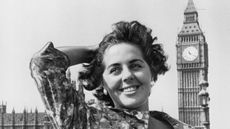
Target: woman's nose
(127, 75)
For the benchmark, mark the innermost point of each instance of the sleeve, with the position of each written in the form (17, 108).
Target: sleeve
(62, 101)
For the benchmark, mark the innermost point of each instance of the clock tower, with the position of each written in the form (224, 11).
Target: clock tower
(192, 70)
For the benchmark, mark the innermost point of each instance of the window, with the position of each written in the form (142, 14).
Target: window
(190, 18)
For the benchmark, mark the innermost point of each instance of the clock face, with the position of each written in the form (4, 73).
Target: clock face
(190, 53)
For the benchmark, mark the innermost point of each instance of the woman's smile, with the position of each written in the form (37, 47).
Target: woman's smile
(129, 90)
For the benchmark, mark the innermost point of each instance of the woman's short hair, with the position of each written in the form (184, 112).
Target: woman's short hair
(132, 33)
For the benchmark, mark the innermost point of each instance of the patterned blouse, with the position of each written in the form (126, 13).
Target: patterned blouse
(65, 100)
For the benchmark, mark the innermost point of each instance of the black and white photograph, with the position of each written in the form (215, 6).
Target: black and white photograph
(114, 64)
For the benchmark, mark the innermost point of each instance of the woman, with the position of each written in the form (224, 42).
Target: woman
(121, 71)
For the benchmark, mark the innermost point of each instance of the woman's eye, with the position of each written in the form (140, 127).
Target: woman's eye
(136, 66)
(114, 70)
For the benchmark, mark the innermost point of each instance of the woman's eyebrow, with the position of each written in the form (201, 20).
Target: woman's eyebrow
(112, 65)
(136, 60)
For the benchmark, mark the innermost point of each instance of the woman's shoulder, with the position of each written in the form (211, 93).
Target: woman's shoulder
(172, 122)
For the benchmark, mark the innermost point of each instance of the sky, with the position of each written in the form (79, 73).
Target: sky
(27, 25)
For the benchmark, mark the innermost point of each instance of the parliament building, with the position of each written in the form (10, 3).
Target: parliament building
(192, 71)
(25, 120)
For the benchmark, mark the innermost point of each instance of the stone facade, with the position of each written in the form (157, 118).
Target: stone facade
(192, 69)
(24, 120)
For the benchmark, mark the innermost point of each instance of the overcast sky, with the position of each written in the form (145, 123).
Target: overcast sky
(26, 25)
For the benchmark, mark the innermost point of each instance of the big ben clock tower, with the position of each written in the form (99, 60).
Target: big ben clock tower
(192, 69)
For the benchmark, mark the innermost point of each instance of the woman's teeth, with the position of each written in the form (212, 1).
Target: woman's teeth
(129, 89)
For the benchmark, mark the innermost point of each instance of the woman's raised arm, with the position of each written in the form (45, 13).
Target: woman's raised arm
(48, 68)
(79, 54)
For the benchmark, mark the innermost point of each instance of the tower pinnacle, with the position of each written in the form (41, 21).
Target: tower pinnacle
(190, 7)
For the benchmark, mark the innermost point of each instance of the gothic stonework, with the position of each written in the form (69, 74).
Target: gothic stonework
(192, 69)
(25, 120)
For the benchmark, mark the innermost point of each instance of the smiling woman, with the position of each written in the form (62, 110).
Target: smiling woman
(121, 71)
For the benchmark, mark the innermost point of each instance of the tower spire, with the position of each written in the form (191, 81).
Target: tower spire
(190, 7)
(193, 109)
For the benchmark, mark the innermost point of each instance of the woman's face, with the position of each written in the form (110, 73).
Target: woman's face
(127, 76)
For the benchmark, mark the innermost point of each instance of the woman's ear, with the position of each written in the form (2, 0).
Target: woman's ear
(151, 85)
(103, 84)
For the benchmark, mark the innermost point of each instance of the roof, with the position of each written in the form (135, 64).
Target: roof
(19, 118)
(190, 7)
(191, 28)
